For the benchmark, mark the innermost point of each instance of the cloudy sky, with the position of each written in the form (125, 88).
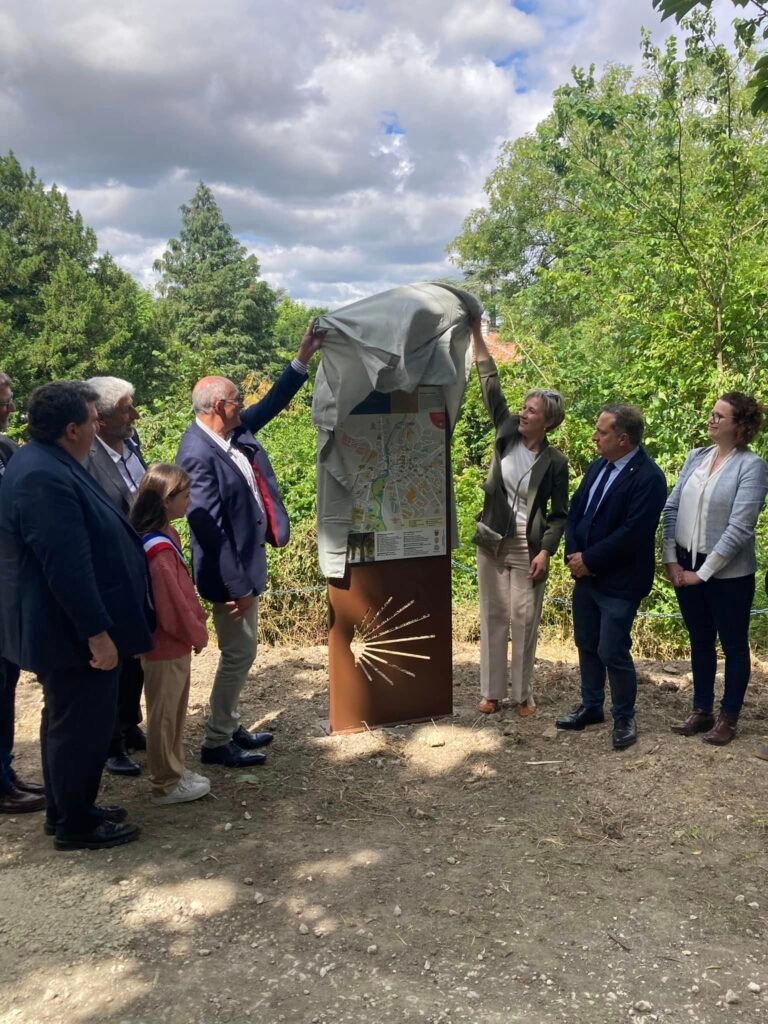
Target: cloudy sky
(345, 140)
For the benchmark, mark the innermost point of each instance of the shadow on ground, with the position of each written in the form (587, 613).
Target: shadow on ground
(481, 869)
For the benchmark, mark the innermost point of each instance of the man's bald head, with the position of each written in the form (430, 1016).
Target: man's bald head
(210, 390)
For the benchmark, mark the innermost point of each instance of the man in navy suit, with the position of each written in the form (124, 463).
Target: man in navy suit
(234, 510)
(16, 796)
(75, 600)
(610, 550)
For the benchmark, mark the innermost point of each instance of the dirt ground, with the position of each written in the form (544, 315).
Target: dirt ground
(479, 869)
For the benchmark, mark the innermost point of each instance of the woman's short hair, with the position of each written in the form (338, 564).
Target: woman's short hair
(554, 407)
(53, 407)
(747, 414)
(161, 481)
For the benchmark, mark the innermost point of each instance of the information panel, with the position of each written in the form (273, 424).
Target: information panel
(394, 446)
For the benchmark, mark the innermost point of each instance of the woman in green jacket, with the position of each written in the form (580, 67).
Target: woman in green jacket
(518, 531)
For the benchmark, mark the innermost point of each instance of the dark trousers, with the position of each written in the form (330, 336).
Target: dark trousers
(717, 608)
(78, 716)
(602, 628)
(128, 714)
(9, 676)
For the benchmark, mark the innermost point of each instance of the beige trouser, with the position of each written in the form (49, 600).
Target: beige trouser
(166, 687)
(237, 651)
(509, 604)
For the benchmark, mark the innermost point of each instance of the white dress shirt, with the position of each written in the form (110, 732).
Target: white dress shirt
(239, 459)
(128, 464)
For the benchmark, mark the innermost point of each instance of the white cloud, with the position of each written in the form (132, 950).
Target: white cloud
(345, 141)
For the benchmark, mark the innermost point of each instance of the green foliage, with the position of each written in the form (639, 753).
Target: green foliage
(217, 310)
(63, 311)
(747, 30)
(625, 244)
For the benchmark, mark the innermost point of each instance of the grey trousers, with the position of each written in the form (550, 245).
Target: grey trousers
(509, 604)
(237, 651)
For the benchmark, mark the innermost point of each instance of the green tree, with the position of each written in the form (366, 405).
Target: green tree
(747, 29)
(218, 311)
(64, 312)
(627, 241)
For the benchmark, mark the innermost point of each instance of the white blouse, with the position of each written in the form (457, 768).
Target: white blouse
(516, 465)
(691, 527)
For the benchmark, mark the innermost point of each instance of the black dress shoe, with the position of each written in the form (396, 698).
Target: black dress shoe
(624, 733)
(581, 718)
(111, 813)
(103, 836)
(134, 739)
(231, 756)
(251, 740)
(16, 801)
(26, 787)
(121, 764)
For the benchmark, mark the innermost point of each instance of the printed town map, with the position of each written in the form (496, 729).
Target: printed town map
(397, 459)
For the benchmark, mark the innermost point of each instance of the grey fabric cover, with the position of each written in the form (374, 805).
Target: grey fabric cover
(394, 341)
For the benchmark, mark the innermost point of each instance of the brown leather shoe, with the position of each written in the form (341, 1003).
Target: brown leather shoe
(723, 730)
(697, 721)
(488, 706)
(18, 802)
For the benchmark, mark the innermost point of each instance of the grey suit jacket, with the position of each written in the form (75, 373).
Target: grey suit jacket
(103, 469)
(736, 501)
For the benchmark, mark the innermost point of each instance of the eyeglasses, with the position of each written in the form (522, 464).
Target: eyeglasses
(238, 400)
(6, 405)
(715, 417)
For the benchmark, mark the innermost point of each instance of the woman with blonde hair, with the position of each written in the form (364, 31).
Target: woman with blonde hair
(518, 531)
(163, 496)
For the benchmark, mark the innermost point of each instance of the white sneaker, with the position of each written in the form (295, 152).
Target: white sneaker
(195, 777)
(186, 789)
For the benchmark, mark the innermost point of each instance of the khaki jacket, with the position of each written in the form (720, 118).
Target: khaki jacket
(547, 499)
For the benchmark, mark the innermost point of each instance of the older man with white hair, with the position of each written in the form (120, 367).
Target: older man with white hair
(234, 511)
(116, 462)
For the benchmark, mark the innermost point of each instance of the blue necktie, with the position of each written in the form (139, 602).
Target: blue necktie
(585, 523)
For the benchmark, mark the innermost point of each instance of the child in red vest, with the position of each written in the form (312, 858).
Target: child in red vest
(163, 496)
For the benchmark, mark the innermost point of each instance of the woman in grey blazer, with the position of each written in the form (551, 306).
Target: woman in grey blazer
(519, 529)
(709, 557)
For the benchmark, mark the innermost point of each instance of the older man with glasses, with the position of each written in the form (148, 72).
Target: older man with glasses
(235, 510)
(116, 462)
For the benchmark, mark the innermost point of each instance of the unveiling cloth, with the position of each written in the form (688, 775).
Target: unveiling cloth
(407, 337)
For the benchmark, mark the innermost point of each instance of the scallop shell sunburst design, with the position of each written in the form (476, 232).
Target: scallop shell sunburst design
(375, 641)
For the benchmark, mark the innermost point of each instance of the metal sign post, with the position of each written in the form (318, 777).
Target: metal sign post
(390, 656)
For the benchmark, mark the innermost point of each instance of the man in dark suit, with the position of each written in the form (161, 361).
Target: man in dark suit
(234, 510)
(610, 550)
(115, 460)
(75, 600)
(16, 795)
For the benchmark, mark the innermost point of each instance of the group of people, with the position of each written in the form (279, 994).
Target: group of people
(610, 528)
(97, 599)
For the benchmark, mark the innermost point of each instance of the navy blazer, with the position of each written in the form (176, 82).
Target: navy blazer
(621, 549)
(71, 565)
(228, 531)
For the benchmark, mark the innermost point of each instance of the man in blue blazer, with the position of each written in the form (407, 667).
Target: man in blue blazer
(234, 510)
(75, 600)
(610, 550)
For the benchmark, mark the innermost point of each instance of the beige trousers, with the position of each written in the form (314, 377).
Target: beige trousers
(166, 689)
(510, 604)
